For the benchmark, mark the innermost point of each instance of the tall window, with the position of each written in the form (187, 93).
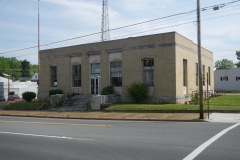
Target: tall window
(184, 72)
(148, 68)
(196, 74)
(209, 75)
(203, 75)
(53, 71)
(76, 75)
(116, 73)
(95, 68)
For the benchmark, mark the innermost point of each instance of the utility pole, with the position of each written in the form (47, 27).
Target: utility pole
(199, 61)
(105, 36)
(38, 45)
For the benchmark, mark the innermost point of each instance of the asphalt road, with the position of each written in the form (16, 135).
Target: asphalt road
(64, 139)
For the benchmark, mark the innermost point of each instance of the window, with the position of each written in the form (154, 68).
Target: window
(203, 75)
(95, 68)
(76, 75)
(184, 72)
(196, 74)
(225, 78)
(209, 75)
(116, 74)
(148, 68)
(53, 71)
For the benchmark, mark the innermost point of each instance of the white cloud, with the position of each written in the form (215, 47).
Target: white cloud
(141, 5)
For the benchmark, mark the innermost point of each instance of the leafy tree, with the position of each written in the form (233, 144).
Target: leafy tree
(238, 57)
(13, 67)
(224, 64)
(10, 66)
(25, 68)
(33, 69)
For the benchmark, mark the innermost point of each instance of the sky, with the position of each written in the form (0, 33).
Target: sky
(73, 22)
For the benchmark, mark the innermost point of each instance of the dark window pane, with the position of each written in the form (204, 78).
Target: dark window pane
(116, 74)
(53, 71)
(148, 70)
(76, 75)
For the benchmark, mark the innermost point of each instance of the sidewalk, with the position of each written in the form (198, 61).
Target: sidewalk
(106, 115)
(224, 117)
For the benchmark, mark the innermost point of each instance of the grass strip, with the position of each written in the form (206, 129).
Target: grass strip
(24, 106)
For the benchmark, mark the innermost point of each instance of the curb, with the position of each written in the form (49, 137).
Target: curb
(108, 116)
(173, 111)
(105, 119)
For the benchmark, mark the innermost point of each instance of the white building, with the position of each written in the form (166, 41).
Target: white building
(17, 87)
(227, 79)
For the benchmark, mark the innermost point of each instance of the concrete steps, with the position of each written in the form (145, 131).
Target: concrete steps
(76, 103)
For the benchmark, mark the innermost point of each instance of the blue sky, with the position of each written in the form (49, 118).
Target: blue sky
(66, 19)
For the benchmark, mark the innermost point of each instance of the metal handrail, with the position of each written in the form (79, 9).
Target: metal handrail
(67, 95)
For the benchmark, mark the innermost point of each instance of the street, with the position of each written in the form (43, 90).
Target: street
(25, 138)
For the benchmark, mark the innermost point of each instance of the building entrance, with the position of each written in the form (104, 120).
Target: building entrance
(95, 85)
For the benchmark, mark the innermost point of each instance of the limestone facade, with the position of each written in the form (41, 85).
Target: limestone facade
(166, 63)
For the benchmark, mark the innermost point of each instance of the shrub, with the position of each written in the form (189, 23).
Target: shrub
(107, 90)
(55, 91)
(28, 96)
(138, 91)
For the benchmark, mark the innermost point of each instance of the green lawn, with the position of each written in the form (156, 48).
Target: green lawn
(225, 102)
(216, 103)
(24, 105)
(134, 107)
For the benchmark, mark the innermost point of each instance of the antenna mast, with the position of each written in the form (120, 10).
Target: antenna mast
(105, 21)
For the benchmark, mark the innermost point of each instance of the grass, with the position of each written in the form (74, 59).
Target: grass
(148, 107)
(216, 103)
(225, 102)
(24, 105)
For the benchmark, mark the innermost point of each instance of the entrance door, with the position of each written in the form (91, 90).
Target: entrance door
(95, 85)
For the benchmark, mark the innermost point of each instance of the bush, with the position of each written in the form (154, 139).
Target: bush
(107, 90)
(55, 91)
(138, 91)
(195, 97)
(28, 96)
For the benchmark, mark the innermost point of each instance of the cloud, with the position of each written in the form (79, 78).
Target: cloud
(140, 5)
(64, 19)
(75, 7)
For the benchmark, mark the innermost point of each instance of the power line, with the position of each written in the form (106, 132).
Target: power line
(127, 26)
(179, 24)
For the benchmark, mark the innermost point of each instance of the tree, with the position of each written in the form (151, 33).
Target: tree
(10, 66)
(25, 68)
(14, 68)
(33, 69)
(238, 57)
(224, 64)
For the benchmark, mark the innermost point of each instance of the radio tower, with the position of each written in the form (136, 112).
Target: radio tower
(105, 22)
